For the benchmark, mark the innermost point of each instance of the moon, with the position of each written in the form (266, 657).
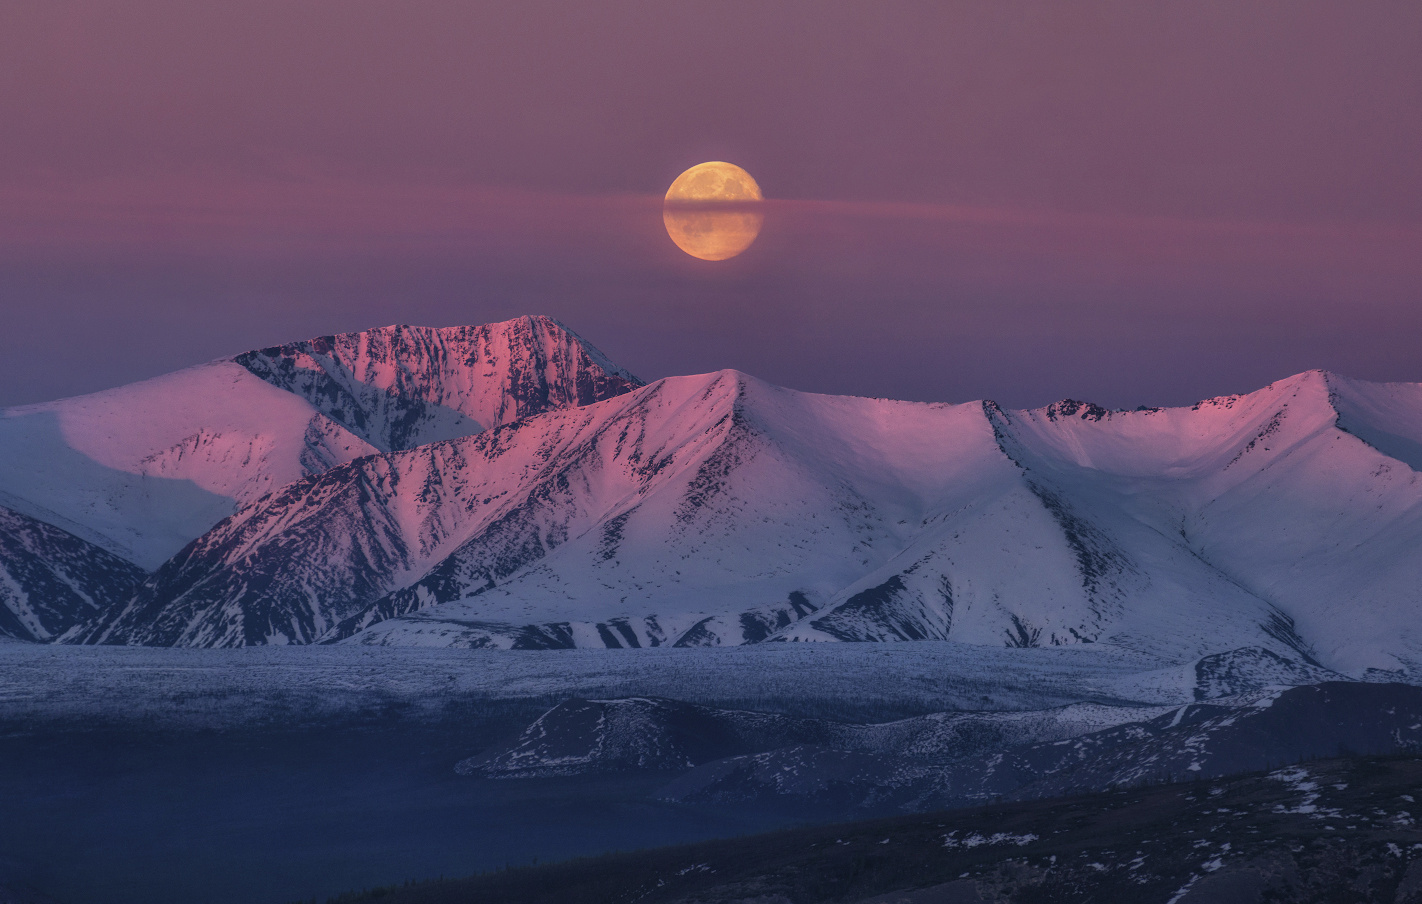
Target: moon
(694, 221)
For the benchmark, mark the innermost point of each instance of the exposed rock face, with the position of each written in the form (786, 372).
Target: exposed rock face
(402, 386)
(145, 469)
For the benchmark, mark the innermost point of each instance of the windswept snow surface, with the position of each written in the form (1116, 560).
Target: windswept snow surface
(144, 469)
(1276, 493)
(718, 509)
(866, 682)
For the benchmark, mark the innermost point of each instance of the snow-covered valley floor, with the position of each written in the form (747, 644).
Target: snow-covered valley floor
(853, 682)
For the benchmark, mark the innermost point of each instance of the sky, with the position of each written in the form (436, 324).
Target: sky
(1131, 203)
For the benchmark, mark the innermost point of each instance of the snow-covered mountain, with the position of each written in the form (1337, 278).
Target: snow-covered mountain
(718, 509)
(1305, 495)
(402, 386)
(51, 580)
(144, 469)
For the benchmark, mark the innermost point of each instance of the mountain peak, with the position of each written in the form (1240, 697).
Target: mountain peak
(1066, 408)
(399, 386)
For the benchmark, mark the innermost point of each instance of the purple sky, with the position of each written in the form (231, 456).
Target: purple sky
(1131, 203)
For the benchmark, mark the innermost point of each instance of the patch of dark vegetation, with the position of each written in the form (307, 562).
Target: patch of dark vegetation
(1334, 830)
(624, 629)
(1023, 634)
(874, 614)
(552, 636)
(758, 624)
(1237, 671)
(801, 604)
(698, 635)
(608, 639)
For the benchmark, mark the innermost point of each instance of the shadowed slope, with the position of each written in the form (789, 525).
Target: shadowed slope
(51, 580)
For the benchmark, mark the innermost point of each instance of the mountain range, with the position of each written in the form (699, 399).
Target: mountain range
(507, 486)
(140, 471)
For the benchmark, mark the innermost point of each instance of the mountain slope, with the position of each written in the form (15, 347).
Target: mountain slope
(719, 509)
(639, 495)
(50, 580)
(754, 506)
(1271, 491)
(1183, 519)
(144, 469)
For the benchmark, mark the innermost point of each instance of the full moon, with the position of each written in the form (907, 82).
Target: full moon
(694, 221)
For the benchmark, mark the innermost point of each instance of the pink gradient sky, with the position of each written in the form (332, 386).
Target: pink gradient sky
(1133, 203)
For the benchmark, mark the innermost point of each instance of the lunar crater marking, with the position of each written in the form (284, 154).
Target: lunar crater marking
(712, 211)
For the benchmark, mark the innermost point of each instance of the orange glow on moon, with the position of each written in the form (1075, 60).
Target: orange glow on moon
(693, 220)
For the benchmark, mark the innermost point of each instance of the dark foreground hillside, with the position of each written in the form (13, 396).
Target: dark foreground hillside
(1342, 830)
